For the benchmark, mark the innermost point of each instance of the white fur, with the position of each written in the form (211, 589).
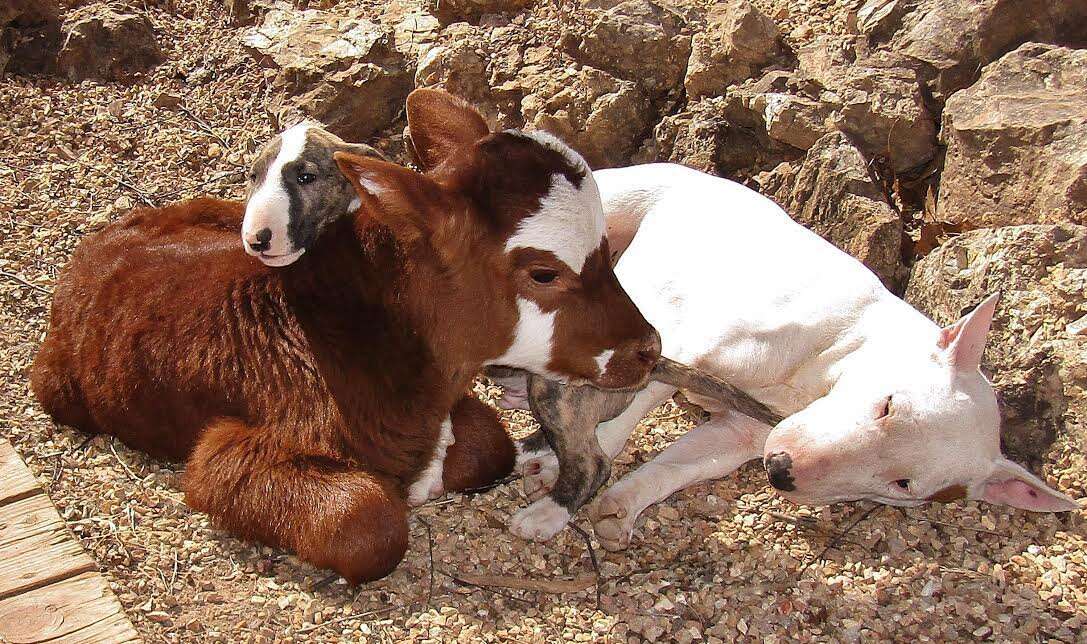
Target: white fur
(737, 287)
(540, 521)
(270, 205)
(429, 484)
(602, 360)
(532, 340)
(569, 223)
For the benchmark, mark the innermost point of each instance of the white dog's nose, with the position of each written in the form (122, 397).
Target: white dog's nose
(777, 470)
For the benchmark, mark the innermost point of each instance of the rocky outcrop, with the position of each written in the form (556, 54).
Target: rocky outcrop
(948, 41)
(601, 116)
(1016, 142)
(1037, 349)
(635, 40)
(342, 70)
(103, 44)
(831, 192)
(450, 11)
(738, 41)
(29, 36)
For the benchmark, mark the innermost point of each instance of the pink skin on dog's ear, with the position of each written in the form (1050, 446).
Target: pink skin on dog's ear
(1011, 484)
(965, 340)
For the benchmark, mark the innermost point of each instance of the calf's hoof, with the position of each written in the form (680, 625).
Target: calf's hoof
(540, 521)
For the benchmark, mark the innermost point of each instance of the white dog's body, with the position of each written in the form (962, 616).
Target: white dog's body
(879, 402)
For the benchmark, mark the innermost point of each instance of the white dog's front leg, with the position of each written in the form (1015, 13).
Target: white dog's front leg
(429, 484)
(709, 451)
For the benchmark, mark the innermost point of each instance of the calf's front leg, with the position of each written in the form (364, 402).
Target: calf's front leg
(333, 516)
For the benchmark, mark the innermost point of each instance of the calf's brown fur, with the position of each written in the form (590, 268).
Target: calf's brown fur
(306, 398)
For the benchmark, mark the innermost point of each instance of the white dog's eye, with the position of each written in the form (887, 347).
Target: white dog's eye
(883, 410)
(904, 484)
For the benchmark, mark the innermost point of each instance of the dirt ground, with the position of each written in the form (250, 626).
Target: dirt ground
(723, 561)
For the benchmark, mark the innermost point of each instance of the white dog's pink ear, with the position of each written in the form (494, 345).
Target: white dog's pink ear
(1011, 484)
(965, 340)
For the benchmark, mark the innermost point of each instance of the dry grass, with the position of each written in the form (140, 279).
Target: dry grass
(727, 560)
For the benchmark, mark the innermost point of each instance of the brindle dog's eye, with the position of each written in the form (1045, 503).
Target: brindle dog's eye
(306, 177)
(252, 176)
(543, 275)
(904, 484)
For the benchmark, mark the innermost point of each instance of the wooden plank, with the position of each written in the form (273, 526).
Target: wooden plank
(16, 482)
(78, 609)
(34, 554)
(27, 518)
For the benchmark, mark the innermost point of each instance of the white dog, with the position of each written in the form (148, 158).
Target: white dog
(879, 402)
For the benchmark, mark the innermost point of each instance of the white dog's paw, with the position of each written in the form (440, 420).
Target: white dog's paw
(538, 475)
(613, 519)
(540, 521)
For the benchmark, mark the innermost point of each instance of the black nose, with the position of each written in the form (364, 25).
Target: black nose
(777, 470)
(263, 240)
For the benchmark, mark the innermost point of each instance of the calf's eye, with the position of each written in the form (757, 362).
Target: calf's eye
(543, 275)
(306, 177)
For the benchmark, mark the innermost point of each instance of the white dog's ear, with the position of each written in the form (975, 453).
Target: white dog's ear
(1011, 484)
(964, 341)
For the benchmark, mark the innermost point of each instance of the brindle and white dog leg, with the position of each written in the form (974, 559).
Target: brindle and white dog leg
(709, 451)
(568, 416)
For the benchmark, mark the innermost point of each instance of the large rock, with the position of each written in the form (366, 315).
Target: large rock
(29, 35)
(737, 42)
(1017, 142)
(601, 116)
(697, 137)
(788, 109)
(636, 40)
(102, 44)
(342, 70)
(877, 101)
(1037, 349)
(950, 40)
(449, 11)
(831, 192)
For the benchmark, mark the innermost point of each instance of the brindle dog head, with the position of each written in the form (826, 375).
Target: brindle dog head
(295, 190)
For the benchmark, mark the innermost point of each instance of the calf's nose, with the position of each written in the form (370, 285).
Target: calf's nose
(261, 241)
(777, 470)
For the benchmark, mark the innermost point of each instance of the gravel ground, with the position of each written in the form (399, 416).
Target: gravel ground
(719, 562)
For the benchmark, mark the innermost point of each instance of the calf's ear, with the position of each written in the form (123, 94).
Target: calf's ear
(441, 125)
(964, 341)
(396, 196)
(1011, 484)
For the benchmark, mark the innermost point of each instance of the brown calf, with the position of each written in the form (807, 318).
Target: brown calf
(308, 399)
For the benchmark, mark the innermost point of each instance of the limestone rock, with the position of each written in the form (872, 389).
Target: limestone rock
(877, 100)
(29, 35)
(950, 40)
(102, 44)
(697, 137)
(342, 70)
(789, 110)
(449, 11)
(636, 40)
(601, 116)
(1037, 351)
(830, 191)
(737, 42)
(1016, 142)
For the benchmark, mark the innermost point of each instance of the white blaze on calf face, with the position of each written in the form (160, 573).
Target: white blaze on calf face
(532, 339)
(269, 208)
(569, 224)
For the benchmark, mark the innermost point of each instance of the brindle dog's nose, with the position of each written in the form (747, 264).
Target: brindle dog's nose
(262, 241)
(777, 470)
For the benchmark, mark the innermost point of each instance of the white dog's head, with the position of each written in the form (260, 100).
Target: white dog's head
(922, 425)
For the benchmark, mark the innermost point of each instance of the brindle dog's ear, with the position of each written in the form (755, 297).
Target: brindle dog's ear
(406, 201)
(441, 125)
(363, 150)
